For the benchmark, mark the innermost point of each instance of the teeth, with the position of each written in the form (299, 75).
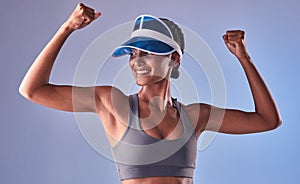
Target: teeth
(139, 72)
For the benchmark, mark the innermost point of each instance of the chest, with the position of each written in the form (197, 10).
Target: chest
(160, 124)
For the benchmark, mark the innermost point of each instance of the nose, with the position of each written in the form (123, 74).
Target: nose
(138, 60)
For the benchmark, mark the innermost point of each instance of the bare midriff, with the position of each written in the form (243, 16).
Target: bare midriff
(159, 180)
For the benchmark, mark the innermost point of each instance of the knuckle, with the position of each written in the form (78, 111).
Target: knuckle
(79, 5)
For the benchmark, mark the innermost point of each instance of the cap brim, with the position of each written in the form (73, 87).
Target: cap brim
(145, 44)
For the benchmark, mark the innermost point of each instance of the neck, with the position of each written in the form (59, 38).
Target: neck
(157, 94)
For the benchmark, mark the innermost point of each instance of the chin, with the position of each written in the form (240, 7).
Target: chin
(141, 83)
(147, 80)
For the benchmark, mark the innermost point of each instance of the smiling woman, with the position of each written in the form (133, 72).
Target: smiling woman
(152, 135)
(147, 67)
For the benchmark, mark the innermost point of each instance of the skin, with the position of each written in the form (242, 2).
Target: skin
(155, 104)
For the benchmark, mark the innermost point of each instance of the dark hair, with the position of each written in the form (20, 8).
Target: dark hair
(179, 38)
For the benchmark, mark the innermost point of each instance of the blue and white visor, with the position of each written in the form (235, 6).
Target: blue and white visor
(150, 34)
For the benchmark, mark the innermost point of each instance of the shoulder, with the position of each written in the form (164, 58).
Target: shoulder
(198, 113)
(197, 108)
(110, 98)
(109, 93)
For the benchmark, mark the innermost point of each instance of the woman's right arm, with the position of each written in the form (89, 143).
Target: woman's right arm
(35, 85)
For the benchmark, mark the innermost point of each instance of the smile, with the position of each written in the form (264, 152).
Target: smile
(142, 72)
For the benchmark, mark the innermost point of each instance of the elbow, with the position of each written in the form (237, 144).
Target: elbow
(275, 123)
(278, 123)
(26, 93)
(277, 120)
(270, 121)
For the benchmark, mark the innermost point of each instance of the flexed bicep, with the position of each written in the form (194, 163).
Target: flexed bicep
(79, 99)
(66, 98)
(35, 85)
(235, 121)
(265, 115)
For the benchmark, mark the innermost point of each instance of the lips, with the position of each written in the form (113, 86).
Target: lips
(142, 72)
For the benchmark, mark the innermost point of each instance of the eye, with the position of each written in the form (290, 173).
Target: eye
(147, 53)
(132, 53)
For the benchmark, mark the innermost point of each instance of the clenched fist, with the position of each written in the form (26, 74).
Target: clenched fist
(81, 17)
(234, 40)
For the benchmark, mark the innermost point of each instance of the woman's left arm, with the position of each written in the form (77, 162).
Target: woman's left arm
(265, 117)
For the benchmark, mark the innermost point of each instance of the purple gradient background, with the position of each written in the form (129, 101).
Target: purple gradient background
(44, 146)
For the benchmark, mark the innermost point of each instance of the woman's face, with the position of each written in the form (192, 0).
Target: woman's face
(149, 68)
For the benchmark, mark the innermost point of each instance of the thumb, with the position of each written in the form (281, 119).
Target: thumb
(97, 14)
(225, 38)
(229, 45)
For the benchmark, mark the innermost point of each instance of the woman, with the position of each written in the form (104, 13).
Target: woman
(151, 117)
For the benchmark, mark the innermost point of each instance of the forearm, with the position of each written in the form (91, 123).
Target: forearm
(39, 73)
(265, 106)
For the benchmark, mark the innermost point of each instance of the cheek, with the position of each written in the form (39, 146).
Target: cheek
(130, 63)
(162, 70)
(163, 65)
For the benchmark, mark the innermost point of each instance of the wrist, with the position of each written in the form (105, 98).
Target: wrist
(66, 28)
(243, 56)
(244, 59)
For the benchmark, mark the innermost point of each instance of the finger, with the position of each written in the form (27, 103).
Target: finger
(228, 43)
(89, 9)
(90, 12)
(80, 6)
(225, 37)
(87, 18)
(235, 39)
(235, 34)
(226, 40)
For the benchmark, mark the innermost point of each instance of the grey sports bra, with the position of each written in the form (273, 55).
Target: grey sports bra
(139, 155)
